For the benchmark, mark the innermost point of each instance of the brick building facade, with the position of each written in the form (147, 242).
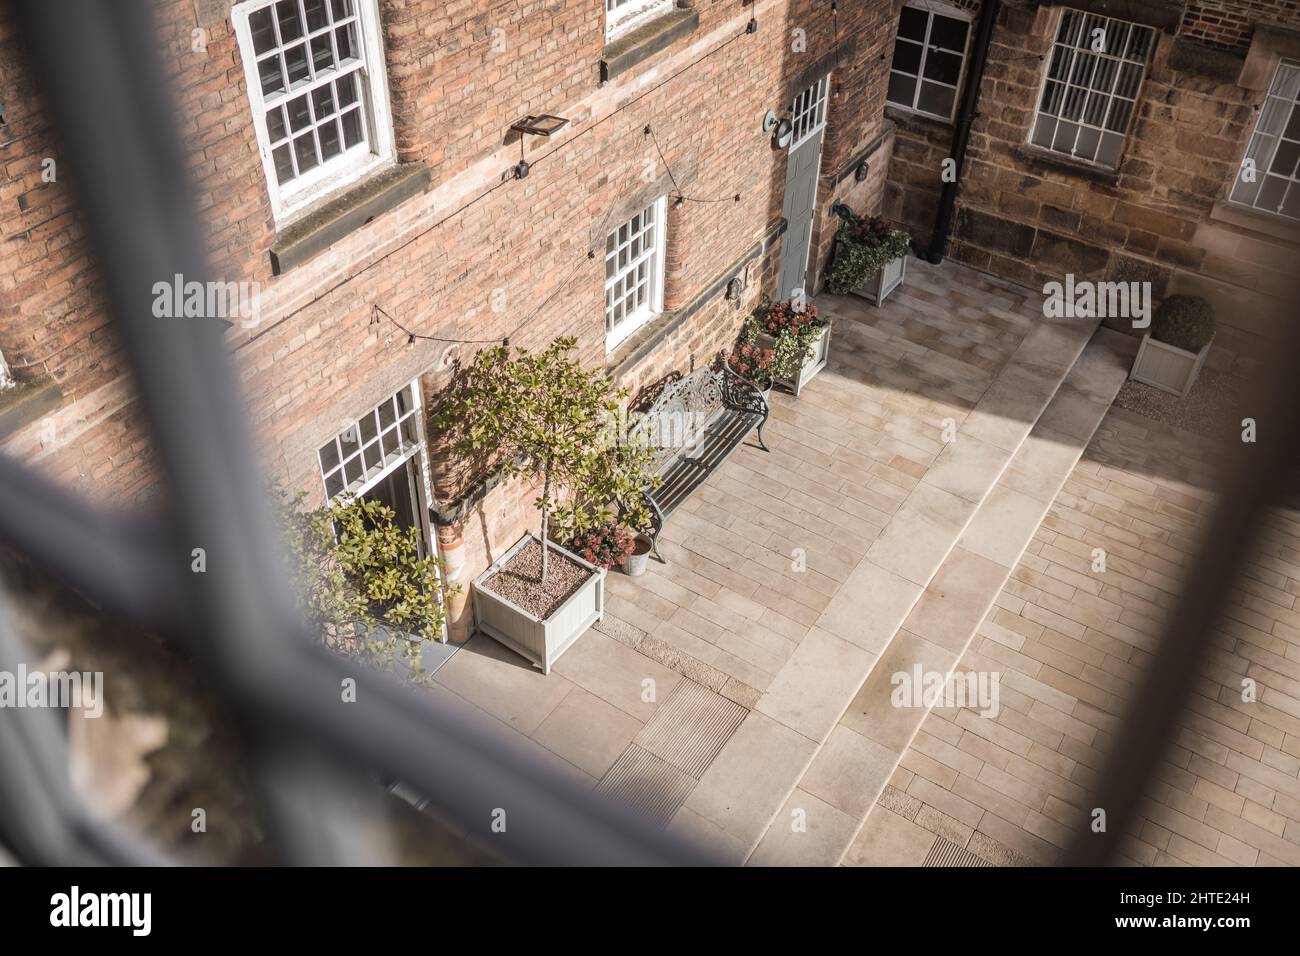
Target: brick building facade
(431, 230)
(355, 159)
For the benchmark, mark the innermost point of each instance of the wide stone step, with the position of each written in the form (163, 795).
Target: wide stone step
(758, 770)
(848, 772)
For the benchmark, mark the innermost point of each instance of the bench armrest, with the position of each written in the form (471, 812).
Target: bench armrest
(740, 392)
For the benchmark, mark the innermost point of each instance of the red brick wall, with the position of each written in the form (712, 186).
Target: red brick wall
(474, 256)
(1228, 24)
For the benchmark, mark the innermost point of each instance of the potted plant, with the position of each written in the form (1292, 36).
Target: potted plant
(797, 337)
(1173, 352)
(365, 586)
(870, 259)
(547, 419)
(753, 363)
(610, 542)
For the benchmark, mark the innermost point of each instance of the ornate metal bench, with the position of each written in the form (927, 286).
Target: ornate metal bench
(694, 425)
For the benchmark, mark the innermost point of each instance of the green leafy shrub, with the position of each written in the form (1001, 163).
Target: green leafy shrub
(1185, 322)
(793, 331)
(364, 586)
(863, 247)
(548, 418)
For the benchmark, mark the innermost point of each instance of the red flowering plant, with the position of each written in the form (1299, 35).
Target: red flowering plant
(793, 329)
(752, 362)
(604, 544)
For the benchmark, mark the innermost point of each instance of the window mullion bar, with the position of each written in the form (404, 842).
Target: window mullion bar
(925, 53)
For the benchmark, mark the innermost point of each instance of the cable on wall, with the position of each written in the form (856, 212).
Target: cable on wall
(751, 27)
(680, 198)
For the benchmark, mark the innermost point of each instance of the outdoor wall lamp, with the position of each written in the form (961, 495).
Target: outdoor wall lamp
(784, 133)
(544, 125)
(842, 210)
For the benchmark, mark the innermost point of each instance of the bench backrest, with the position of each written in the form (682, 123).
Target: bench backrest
(680, 414)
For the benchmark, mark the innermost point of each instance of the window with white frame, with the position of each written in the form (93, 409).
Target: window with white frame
(1267, 179)
(634, 272)
(623, 16)
(929, 59)
(378, 441)
(317, 89)
(808, 112)
(1090, 90)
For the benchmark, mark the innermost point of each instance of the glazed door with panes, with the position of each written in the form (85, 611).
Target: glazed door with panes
(808, 114)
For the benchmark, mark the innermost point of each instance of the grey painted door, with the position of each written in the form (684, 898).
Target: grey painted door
(797, 208)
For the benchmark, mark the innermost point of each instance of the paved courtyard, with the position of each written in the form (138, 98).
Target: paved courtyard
(908, 515)
(1070, 644)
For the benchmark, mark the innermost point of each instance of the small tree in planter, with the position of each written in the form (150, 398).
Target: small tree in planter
(870, 259)
(365, 588)
(550, 420)
(1173, 352)
(798, 339)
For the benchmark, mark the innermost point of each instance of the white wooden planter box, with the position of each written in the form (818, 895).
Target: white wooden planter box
(890, 277)
(1167, 367)
(818, 356)
(540, 641)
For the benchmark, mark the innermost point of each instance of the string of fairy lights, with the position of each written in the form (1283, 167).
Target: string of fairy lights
(678, 196)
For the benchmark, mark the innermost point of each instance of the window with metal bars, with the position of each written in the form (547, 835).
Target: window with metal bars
(623, 16)
(376, 443)
(316, 87)
(1090, 91)
(634, 271)
(1267, 179)
(929, 59)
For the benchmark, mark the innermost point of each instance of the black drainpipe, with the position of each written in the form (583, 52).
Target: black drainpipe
(961, 134)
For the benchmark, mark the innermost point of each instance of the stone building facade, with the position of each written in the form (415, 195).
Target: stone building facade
(1166, 199)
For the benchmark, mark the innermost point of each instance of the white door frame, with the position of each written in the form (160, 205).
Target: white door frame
(423, 488)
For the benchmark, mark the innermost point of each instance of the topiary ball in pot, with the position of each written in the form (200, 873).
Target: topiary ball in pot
(1185, 322)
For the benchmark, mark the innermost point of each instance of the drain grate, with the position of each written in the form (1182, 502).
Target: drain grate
(691, 727)
(647, 784)
(946, 853)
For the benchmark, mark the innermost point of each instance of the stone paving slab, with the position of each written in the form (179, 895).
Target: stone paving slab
(768, 561)
(956, 599)
(1070, 648)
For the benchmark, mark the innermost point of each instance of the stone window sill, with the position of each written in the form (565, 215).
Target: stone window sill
(645, 41)
(1037, 156)
(628, 353)
(322, 227)
(914, 122)
(26, 403)
(1252, 220)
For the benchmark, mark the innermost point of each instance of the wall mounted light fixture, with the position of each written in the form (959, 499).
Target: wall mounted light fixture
(544, 125)
(784, 133)
(842, 210)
